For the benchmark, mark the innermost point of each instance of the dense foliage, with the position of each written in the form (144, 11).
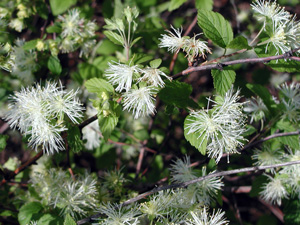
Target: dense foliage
(149, 112)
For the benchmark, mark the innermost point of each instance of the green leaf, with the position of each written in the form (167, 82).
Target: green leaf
(69, 220)
(285, 126)
(249, 130)
(196, 139)
(204, 4)
(291, 210)
(135, 41)
(49, 219)
(239, 42)
(107, 48)
(175, 4)
(54, 65)
(56, 28)
(178, 94)
(27, 211)
(215, 27)
(59, 6)
(3, 139)
(155, 63)
(108, 119)
(88, 71)
(30, 45)
(265, 95)
(114, 37)
(140, 58)
(98, 85)
(223, 80)
(74, 138)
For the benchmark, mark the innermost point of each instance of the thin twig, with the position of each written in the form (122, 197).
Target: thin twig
(22, 167)
(185, 184)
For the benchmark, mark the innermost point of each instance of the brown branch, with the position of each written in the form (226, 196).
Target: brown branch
(220, 66)
(22, 167)
(185, 184)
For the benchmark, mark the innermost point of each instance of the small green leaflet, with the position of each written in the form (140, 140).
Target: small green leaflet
(69, 220)
(74, 138)
(155, 63)
(114, 37)
(204, 4)
(175, 4)
(27, 211)
(98, 85)
(223, 80)
(196, 139)
(60, 6)
(54, 65)
(239, 42)
(215, 27)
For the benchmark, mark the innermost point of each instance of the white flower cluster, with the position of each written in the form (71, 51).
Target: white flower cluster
(257, 109)
(222, 126)
(138, 100)
(201, 192)
(76, 33)
(39, 112)
(280, 25)
(57, 189)
(191, 46)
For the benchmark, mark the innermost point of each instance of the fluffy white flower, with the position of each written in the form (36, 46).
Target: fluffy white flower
(121, 75)
(203, 218)
(117, 214)
(181, 170)
(222, 126)
(274, 191)
(257, 109)
(140, 101)
(267, 9)
(173, 41)
(71, 23)
(194, 47)
(153, 77)
(38, 112)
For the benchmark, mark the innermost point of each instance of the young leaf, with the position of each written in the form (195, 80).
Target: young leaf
(114, 37)
(98, 85)
(56, 28)
(135, 41)
(74, 139)
(27, 211)
(196, 139)
(108, 119)
(54, 65)
(30, 44)
(178, 94)
(223, 80)
(155, 63)
(59, 6)
(69, 220)
(239, 42)
(175, 4)
(215, 27)
(204, 4)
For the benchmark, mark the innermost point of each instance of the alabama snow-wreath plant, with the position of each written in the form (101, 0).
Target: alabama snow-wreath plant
(149, 112)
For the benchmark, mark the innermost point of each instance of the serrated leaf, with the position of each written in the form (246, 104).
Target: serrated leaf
(155, 63)
(27, 211)
(74, 139)
(239, 42)
(59, 6)
(69, 220)
(3, 139)
(196, 139)
(178, 94)
(223, 80)
(56, 28)
(215, 27)
(98, 85)
(114, 37)
(204, 4)
(175, 4)
(54, 65)
(264, 94)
